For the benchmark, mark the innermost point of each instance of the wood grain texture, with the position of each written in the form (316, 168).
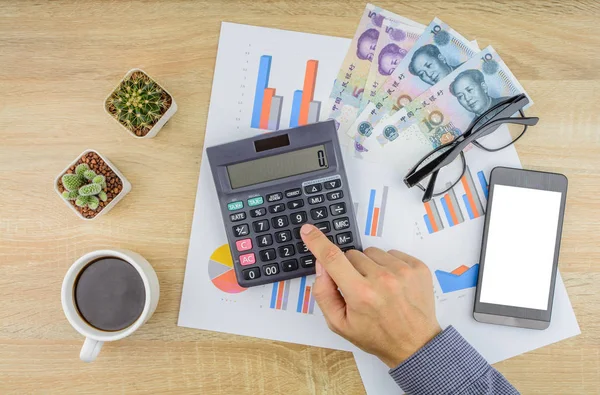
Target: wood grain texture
(58, 61)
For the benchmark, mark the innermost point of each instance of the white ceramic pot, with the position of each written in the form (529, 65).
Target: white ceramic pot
(161, 122)
(108, 207)
(95, 338)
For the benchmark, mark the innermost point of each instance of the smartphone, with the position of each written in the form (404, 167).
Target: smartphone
(520, 247)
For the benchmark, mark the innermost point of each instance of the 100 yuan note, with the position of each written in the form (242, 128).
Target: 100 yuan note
(438, 52)
(395, 40)
(445, 110)
(349, 84)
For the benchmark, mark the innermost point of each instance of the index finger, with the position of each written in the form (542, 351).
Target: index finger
(331, 257)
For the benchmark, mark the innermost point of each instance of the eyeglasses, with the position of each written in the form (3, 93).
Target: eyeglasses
(447, 162)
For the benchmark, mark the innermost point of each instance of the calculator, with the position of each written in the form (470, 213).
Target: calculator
(271, 184)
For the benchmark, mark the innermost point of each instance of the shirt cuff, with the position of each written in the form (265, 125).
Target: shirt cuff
(447, 364)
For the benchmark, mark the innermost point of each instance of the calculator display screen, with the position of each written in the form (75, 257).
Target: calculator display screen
(279, 166)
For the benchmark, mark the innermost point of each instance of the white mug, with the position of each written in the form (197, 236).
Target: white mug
(95, 338)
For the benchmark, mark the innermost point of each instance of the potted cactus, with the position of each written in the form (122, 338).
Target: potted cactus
(91, 185)
(140, 104)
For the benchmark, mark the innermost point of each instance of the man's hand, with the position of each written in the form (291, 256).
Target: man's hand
(386, 304)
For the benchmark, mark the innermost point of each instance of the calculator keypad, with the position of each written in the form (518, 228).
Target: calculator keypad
(272, 244)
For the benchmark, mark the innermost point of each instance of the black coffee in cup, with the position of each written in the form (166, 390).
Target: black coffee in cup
(110, 294)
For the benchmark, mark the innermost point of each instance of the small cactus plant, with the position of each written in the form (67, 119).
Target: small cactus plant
(138, 103)
(79, 188)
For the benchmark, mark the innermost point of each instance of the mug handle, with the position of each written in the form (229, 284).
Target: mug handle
(90, 350)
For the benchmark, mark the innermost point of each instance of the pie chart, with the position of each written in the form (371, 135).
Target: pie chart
(220, 271)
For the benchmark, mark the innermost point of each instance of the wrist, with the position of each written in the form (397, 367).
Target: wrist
(406, 347)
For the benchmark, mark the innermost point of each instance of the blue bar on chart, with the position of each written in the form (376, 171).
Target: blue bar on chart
(279, 295)
(262, 83)
(483, 182)
(301, 294)
(432, 219)
(376, 215)
(462, 277)
(451, 207)
(296, 102)
(471, 196)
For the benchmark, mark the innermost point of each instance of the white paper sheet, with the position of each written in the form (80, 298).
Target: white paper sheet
(400, 223)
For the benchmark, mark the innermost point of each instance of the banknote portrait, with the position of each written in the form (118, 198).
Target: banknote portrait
(366, 44)
(430, 65)
(472, 92)
(389, 57)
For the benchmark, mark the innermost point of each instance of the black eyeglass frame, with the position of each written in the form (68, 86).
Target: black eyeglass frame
(455, 148)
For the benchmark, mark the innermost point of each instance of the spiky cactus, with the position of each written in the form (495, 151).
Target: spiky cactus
(138, 103)
(85, 187)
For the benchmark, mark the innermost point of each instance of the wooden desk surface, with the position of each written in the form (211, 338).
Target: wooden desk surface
(58, 61)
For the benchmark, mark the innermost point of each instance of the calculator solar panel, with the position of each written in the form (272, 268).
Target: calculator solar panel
(269, 186)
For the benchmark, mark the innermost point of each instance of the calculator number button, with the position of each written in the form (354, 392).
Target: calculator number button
(341, 223)
(335, 195)
(260, 226)
(338, 209)
(291, 193)
(332, 184)
(302, 248)
(318, 199)
(280, 222)
(273, 197)
(318, 213)
(314, 188)
(323, 226)
(294, 204)
(296, 233)
(243, 245)
(271, 270)
(277, 208)
(343, 238)
(247, 259)
(258, 212)
(267, 255)
(283, 236)
(241, 230)
(344, 249)
(307, 261)
(251, 274)
(264, 240)
(298, 218)
(237, 217)
(289, 265)
(286, 251)
(235, 205)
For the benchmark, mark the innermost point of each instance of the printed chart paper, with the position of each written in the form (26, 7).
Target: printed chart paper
(265, 79)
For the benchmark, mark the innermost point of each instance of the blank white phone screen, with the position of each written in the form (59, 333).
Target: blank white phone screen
(520, 247)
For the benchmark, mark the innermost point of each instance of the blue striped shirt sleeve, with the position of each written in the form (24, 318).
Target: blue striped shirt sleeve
(448, 364)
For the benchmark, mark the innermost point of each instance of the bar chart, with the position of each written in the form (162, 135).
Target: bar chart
(280, 294)
(268, 105)
(462, 277)
(376, 213)
(456, 211)
(306, 301)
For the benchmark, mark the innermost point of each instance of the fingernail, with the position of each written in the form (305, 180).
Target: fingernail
(319, 269)
(306, 229)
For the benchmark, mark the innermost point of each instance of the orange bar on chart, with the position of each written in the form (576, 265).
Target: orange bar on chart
(308, 92)
(279, 294)
(434, 225)
(451, 208)
(470, 197)
(306, 299)
(375, 220)
(460, 270)
(266, 108)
